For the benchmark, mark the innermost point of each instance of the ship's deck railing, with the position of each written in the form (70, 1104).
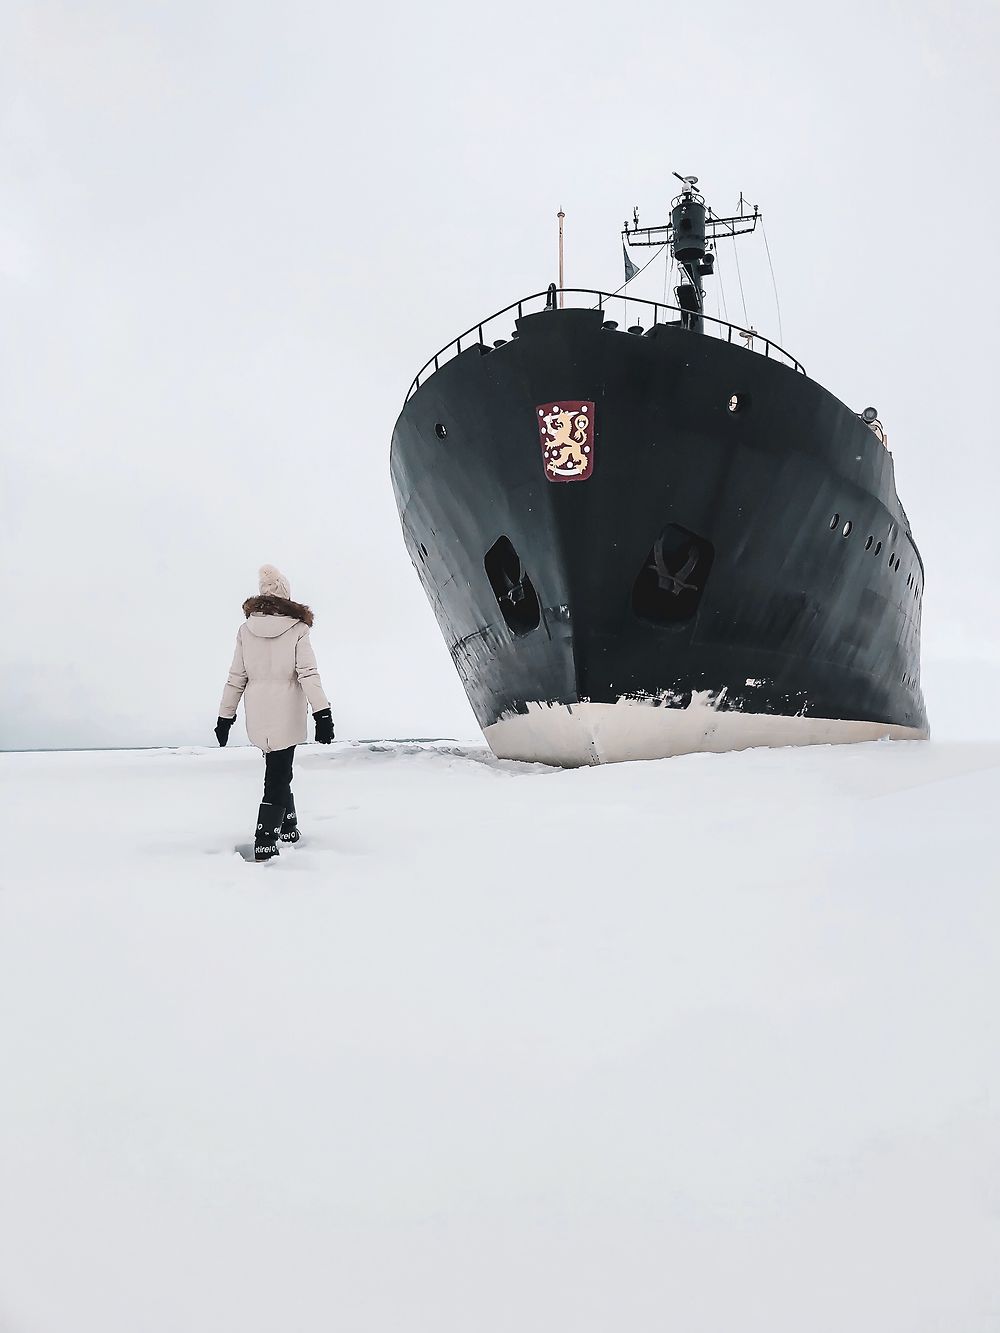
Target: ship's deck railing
(604, 301)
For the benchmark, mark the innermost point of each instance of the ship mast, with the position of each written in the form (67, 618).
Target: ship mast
(691, 232)
(561, 216)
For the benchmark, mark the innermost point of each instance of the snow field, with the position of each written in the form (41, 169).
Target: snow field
(710, 1043)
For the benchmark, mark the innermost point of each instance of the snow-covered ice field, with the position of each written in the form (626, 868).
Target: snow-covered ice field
(710, 1044)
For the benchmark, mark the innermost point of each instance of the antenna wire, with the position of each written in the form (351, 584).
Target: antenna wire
(777, 304)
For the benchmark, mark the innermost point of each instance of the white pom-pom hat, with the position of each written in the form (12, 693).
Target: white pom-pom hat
(272, 582)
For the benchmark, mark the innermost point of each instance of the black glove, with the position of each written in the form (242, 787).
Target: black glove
(222, 729)
(324, 726)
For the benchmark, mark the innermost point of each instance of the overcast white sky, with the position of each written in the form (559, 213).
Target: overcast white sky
(230, 234)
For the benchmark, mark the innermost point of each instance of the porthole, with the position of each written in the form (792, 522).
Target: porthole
(441, 430)
(738, 402)
(848, 528)
(834, 522)
(878, 548)
(868, 543)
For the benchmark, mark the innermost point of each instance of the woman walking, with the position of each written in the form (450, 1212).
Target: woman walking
(274, 671)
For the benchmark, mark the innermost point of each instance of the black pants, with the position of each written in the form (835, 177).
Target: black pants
(278, 777)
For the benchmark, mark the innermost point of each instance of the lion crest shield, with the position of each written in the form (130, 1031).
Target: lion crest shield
(566, 432)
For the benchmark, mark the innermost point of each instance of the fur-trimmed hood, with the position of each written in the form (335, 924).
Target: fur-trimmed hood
(277, 606)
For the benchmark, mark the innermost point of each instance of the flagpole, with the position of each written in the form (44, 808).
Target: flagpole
(562, 299)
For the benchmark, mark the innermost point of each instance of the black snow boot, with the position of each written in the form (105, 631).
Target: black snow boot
(265, 843)
(290, 823)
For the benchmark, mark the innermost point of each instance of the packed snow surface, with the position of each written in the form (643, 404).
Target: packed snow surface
(709, 1044)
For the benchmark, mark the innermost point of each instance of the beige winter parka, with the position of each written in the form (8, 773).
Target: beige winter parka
(274, 671)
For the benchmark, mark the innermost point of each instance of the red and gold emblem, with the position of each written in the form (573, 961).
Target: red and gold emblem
(566, 430)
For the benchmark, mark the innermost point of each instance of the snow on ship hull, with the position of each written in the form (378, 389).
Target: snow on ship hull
(713, 579)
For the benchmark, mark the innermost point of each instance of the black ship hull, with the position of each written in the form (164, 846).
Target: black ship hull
(732, 566)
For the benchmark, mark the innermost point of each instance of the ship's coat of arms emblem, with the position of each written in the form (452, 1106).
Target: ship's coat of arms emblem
(566, 431)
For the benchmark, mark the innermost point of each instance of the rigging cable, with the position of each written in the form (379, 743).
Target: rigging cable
(722, 285)
(635, 275)
(777, 304)
(740, 276)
